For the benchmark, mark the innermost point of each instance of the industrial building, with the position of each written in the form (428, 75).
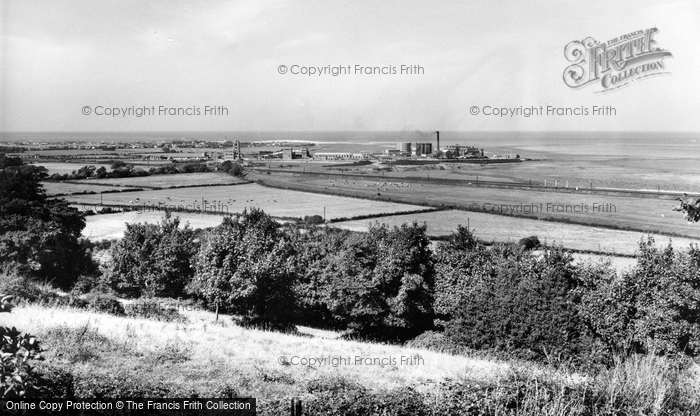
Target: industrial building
(404, 148)
(291, 153)
(234, 153)
(424, 149)
(340, 156)
(455, 151)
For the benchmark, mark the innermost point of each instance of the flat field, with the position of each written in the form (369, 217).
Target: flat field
(648, 214)
(112, 226)
(56, 188)
(617, 262)
(234, 199)
(165, 181)
(581, 171)
(503, 229)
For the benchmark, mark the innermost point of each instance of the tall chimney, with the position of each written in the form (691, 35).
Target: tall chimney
(438, 144)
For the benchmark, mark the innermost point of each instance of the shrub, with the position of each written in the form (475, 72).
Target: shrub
(438, 342)
(528, 307)
(13, 283)
(27, 290)
(18, 378)
(40, 237)
(100, 302)
(313, 219)
(313, 250)
(529, 243)
(381, 283)
(244, 266)
(653, 308)
(460, 263)
(152, 259)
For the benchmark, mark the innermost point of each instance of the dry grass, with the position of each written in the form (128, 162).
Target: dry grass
(201, 355)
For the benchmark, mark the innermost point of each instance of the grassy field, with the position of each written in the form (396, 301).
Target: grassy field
(112, 226)
(581, 171)
(234, 199)
(503, 228)
(165, 181)
(201, 355)
(645, 214)
(62, 188)
(617, 262)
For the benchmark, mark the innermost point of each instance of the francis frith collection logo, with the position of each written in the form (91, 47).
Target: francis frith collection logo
(615, 63)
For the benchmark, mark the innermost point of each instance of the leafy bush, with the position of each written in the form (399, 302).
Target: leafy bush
(17, 377)
(26, 290)
(460, 263)
(529, 243)
(527, 307)
(152, 259)
(381, 283)
(313, 250)
(39, 236)
(15, 284)
(653, 308)
(244, 266)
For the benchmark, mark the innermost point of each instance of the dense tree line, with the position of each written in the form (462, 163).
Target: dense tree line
(389, 284)
(121, 169)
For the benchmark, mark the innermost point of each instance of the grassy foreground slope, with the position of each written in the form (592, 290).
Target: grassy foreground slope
(199, 357)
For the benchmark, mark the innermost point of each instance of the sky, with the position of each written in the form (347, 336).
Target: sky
(57, 57)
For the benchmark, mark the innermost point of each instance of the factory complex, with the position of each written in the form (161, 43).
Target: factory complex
(403, 150)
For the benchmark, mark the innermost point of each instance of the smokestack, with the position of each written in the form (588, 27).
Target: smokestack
(438, 143)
